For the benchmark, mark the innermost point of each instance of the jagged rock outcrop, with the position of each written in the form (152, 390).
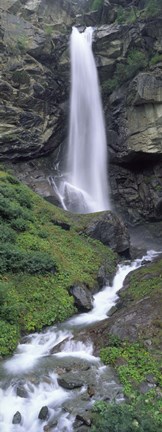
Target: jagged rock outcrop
(110, 230)
(34, 88)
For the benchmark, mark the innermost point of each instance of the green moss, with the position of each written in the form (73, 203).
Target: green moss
(39, 260)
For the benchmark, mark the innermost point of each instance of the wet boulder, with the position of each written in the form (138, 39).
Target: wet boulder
(70, 381)
(110, 230)
(83, 298)
(17, 419)
(21, 391)
(43, 413)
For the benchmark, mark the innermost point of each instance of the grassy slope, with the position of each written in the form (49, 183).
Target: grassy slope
(39, 261)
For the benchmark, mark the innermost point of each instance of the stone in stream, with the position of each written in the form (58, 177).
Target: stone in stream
(50, 426)
(70, 381)
(17, 419)
(59, 347)
(21, 391)
(85, 418)
(43, 413)
(82, 297)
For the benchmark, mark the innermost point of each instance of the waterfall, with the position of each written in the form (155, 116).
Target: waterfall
(85, 187)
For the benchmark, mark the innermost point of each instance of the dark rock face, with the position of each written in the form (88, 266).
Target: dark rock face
(82, 297)
(34, 87)
(110, 230)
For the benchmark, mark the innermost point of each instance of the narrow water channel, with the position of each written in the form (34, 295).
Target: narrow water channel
(34, 377)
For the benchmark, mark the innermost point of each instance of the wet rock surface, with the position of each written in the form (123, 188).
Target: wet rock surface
(136, 317)
(83, 298)
(110, 230)
(17, 419)
(35, 80)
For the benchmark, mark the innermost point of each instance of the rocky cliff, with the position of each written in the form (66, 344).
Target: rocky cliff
(34, 87)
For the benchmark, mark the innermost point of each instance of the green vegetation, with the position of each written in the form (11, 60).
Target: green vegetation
(127, 15)
(152, 8)
(146, 281)
(125, 417)
(157, 58)
(21, 77)
(138, 364)
(39, 261)
(22, 43)
(48, 29)
(136, 61)
(96, 4)
(133, 364)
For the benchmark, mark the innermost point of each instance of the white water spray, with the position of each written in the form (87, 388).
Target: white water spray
(35, 367)
(86, 187)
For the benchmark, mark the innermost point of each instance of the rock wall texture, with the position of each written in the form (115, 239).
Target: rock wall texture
(34, 88)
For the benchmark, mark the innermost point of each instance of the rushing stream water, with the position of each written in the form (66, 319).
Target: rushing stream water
(29, 380)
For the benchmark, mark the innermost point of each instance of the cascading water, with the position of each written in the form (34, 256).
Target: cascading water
(85, 187)
(30, 379)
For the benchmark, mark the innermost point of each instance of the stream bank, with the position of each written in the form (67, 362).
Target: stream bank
(54, 378)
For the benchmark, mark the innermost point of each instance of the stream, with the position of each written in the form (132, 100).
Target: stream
(34, 377)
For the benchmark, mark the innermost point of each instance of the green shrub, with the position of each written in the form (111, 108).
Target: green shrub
(13, 180)
(156, 59)
(12, 210)
(128, 16)
(15, 260)
(122, 418)
(7, 234)
(19, 224)
(9, 336)
(135, 62)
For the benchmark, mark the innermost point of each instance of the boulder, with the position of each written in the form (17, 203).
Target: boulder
(110, 230)
(17, 419)
(21, 391)
(70, 381)
(83, 298)
(43, 414)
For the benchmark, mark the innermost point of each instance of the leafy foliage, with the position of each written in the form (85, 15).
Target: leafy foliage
(127, 16)
(32, 293)
(136, 61)
(136, 364)
(123, 418)
(9, 336)
(16, 260)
